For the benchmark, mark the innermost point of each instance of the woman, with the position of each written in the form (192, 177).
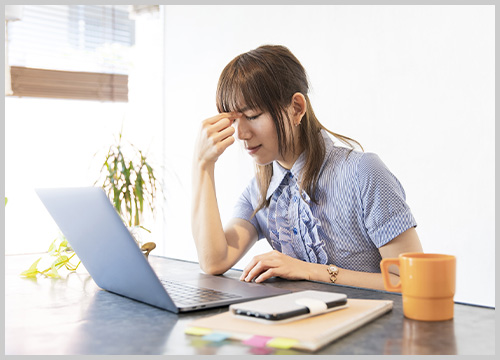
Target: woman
(330, 213)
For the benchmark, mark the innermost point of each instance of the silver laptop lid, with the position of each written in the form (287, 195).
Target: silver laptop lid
(103, 243)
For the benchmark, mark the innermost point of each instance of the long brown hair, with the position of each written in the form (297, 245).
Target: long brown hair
(266, 78)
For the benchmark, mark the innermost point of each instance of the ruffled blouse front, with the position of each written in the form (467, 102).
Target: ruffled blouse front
(292, 227)
(361, 207)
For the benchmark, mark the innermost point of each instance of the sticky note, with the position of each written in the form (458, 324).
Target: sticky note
(257, 341)
(197, 331)
(282, 343)
(197, 342)
(215, 337)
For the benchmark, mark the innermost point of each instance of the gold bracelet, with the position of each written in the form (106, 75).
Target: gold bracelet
(333, 271)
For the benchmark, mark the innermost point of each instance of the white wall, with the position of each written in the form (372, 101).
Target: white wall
(414, 84)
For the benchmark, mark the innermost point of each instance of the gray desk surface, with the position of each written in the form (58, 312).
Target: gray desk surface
(74, 316)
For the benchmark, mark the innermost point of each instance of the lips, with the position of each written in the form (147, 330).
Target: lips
(253, 149)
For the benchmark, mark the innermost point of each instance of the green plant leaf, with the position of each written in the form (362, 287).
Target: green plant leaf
(32, 271)
(53, 272)
(129, 182)
(60, 261)
(52, 246)
(116, 199)
(63, 245)
(139, 192)
(29, 273)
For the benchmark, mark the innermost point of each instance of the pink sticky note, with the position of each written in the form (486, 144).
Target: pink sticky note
(257, 341)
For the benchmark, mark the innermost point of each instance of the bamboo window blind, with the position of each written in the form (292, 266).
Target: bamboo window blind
(71, 52)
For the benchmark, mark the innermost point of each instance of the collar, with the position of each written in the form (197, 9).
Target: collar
(279, 172)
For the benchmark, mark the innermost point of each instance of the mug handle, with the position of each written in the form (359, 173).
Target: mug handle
(384, 266)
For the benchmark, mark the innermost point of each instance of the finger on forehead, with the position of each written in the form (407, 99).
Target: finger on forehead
(216, 118)
(222, 124)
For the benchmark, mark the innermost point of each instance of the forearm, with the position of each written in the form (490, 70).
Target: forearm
(206, 225)
(318, 272)
(407, 241)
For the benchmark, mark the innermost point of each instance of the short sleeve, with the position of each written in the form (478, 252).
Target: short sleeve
(386, 213)
(243, 209)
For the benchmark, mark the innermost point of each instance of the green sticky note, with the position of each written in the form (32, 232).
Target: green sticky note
(197, 331)
(281, 343)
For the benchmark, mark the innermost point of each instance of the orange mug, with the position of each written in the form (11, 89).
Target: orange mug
(427, 284)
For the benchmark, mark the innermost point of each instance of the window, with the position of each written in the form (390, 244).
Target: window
(62, 142)
(71, 51)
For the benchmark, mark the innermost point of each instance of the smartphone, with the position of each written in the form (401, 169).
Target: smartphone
(289, 307)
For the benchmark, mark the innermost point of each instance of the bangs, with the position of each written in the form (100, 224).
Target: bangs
(237, 90)
(250, 82)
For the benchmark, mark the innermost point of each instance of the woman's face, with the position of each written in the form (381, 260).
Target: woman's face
(256, 129)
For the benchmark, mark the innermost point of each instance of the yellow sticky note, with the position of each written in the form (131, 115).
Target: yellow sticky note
(197, 331)
(281, 343)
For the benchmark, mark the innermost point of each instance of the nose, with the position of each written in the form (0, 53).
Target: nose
(243, 131)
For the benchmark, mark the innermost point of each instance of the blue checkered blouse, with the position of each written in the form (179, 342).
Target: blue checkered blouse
(360, 207)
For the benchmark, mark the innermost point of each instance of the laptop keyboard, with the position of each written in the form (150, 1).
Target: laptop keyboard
(190, 294)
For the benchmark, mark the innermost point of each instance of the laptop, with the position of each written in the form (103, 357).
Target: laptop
(115, 262)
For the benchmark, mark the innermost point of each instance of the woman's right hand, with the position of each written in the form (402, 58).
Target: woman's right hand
(215, 136)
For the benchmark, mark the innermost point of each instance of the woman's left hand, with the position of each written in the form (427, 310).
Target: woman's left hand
(274, 263)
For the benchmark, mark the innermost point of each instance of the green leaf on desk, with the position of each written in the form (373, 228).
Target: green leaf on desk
(63, 246)
(52, 246)
(58, 249)
(60, 261)
(52, 272)
(32, 271)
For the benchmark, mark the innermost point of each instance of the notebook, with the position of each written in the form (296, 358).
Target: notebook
(308, 334)
(115, 262)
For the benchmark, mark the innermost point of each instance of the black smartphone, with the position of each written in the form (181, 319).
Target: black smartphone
(289, 307)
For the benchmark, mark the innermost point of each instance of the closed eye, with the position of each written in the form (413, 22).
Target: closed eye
(253, 117)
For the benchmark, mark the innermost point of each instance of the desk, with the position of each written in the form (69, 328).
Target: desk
(74, 316)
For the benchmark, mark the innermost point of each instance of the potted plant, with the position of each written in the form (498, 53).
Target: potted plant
(131, 185)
